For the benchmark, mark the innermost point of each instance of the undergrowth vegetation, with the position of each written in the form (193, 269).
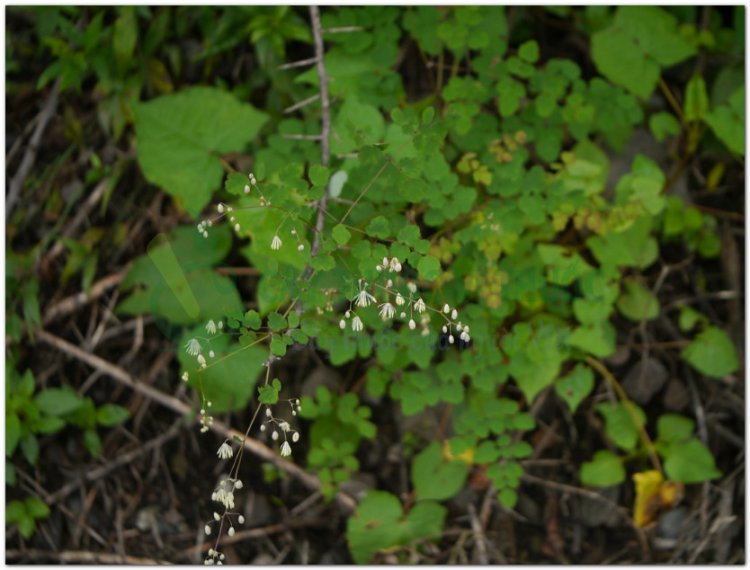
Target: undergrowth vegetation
(484, 218)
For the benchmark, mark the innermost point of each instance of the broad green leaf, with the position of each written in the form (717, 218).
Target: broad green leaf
(14, 511)
(434, 477)
(620, 423)
(712, 353)
(93, 442)
(690, 462)
(728, 122)
(604, 470)
(182, 135)
(674, 427)
(58, 401)
(638, 303)
(36, 508)
(640, 42)
(663, 124)
(111, 415)
(12, 433)
(597, 339)
(379, 524)
(575, 386)
(30, 448)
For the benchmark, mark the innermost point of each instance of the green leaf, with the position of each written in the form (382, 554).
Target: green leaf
(429, 268)
(319, 175)
(36, 508)
(529, 51)
(712, 353)
(510, 93)
(379, 524)
(640, 42)
(14, 511)
(252, 320)
(58, 401)
(638, 303)
(277, 322)
(696, 99)
(728, 122)
(125, 35)
(269, 395)
(663, 124)
(604, 470)
(111, 415)
(340, 234)
(181, 136)
(379, 227)
(508, 498)
(27, 526)
(435, 478)
(30, 448)
(690, 462)
(597, 339)
(12, 433)
(92, 442)
(619, 420)
(575, 386)
(672, 428)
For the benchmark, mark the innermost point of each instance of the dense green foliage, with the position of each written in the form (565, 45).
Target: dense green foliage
(498, 183)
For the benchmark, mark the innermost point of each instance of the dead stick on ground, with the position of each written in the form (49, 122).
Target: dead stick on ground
(29, 157)
(82, 557)
(253, 446)
(75, 302)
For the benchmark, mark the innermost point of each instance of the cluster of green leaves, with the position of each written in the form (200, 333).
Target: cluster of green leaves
(339, 426)
(30, 414)
(686, 458)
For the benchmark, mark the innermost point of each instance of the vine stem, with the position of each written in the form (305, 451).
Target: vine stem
(601, 369)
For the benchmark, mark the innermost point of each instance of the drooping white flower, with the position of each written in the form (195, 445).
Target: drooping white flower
(202, 360)
(284, 426)
(225, 451)
(286, 449)
(193, 347)
(211, 327)
(419, 306)
(395, 265)
(387, 311)
(363, 299)
(357, 324)
(399, 299)
(276, 243)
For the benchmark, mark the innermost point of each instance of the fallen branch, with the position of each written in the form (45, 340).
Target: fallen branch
(75, 302)
(81, 557)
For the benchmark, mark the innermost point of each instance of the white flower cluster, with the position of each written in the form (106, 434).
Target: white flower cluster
(224, 494)
(280, 428)
(203, 227)
(411, 308)
(207, 420)
(214, 557)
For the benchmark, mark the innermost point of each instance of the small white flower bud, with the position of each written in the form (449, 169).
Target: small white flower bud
(275, 435)
(446, 309)
(238, 484)
(217, 517)
(211, 354)
(262, 427)
(402, 315)
(378, 268)
(241, 519)
(220, 208)
(445, 330)
(412, 324)
(454, 314)
(230, 532)
(295, 437)
(451, 339)
(342, 324)
(236, 227)
(207, 529)
(301, 247)
(268, 412)
(348, 314)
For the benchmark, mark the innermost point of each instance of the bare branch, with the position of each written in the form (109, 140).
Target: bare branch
(300, 63)
(300, 104)
(14, 190)
(343, 30)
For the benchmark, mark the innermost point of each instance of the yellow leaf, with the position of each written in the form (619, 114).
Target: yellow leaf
(652, 495)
